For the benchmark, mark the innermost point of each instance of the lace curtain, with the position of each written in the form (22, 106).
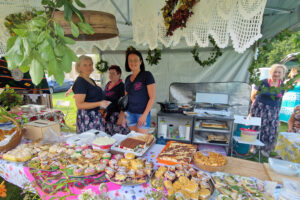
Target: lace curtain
(239, 19)
(15, 6)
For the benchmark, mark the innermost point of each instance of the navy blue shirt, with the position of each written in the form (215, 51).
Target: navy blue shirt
(138, 95)
(93, 93)
(265, 97)
(113, 95)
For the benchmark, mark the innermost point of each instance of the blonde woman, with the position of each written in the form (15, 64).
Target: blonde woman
(88, 97)
(266, 106)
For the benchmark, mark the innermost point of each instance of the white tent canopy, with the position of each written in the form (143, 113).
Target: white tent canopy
(177, 64)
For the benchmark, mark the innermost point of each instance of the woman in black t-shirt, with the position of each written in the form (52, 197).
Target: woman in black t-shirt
(114, 90)
(88, 97)
(140, 87)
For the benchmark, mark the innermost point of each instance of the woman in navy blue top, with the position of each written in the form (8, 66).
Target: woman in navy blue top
(140, 87)
(88, 97)
(266, 105)
(114, 90)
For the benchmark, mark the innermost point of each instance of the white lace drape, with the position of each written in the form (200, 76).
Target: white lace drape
(239, 19)
(15, 6)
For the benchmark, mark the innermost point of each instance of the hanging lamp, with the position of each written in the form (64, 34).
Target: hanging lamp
(104, 25)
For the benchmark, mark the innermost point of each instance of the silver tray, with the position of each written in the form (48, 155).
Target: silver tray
(115, 149)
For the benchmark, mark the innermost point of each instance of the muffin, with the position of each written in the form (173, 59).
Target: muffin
(106, 156)
(100, 168)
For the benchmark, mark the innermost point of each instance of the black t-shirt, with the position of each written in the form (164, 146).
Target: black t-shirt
(93, 93)
(138, 95)
(113, 95)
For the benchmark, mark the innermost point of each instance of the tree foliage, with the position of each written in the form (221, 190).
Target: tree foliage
(272, 51)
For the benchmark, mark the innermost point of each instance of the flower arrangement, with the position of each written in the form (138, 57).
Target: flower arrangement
(176, 13)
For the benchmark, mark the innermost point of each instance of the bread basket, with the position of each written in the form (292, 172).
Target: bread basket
(15, 139)
(208, 168)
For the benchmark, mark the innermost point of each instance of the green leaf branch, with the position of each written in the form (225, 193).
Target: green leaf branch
(37, 43)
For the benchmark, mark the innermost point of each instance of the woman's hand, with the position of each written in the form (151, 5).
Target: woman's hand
(104, 104)
(142, 120)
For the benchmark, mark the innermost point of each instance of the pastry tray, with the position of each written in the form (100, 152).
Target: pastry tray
(119, 138)
(167, 162)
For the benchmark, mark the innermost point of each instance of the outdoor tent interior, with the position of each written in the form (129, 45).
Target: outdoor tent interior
(177, 63)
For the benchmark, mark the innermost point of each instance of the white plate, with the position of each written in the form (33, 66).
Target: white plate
(283, 167)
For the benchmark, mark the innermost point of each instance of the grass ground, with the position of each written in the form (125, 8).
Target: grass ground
(70, 118)
(14, 192)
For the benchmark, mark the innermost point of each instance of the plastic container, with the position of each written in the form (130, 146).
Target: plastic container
(248, 135)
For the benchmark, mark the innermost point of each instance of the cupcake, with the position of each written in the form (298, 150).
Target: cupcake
(170, 175)
(172, 169)
(119, 156)
(148, 164)
(89, 171)
(112, 163)
(120, 176)
(179, 173)
(100, 168)
(78, 172)
(131, 173)
(104, 162)
(106, 156)
(140, 173)
(129, 156)
(89, 156)
(109, 171)
(193, 172)
(148, 171)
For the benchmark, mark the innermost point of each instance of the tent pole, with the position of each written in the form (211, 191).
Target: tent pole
(121, 13)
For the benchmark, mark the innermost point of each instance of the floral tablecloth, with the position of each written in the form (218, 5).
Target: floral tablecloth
(19, 175)
(288, 146)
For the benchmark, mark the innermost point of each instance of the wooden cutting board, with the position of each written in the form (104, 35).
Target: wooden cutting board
(274, 176)
(246, 168)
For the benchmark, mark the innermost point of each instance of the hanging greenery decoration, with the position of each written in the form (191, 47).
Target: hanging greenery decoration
(213, 55)
(102, 66)
(176, 13)
(153, 59)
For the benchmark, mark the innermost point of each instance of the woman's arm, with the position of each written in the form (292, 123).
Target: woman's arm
(82, 105)
(291, 122)
(253, 94)
(69, 91)
(151, 93)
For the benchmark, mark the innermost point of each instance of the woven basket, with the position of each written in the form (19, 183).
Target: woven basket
(16, 138)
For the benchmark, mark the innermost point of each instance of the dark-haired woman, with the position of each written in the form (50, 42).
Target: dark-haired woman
(140, 87)
(114, 90)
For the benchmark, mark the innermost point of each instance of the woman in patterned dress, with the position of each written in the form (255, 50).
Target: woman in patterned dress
(88, 97)
(266, 106)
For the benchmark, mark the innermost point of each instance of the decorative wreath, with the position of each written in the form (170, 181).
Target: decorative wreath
(213, 55)
(102, 66)
(153, 59)
(177, 18)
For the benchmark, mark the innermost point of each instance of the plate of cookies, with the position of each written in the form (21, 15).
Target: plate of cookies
(127, 170)
(182, 181)
(211, 163)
